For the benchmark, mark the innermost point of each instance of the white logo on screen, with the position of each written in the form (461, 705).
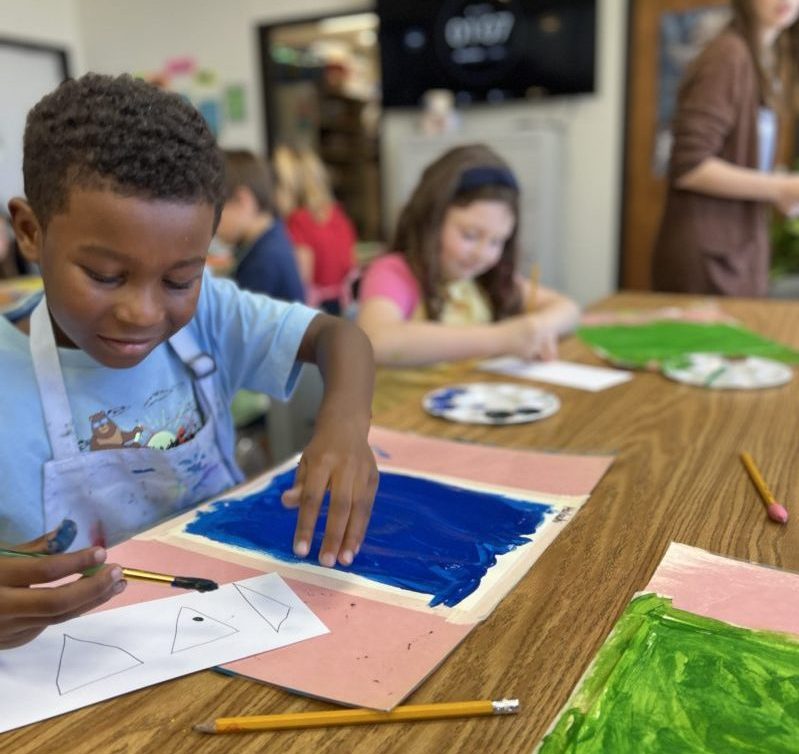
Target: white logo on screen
(481, 25)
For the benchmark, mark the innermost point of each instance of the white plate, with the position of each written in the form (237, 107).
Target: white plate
(719, 372)
(490, 403)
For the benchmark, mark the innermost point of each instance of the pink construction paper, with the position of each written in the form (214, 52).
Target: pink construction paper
(552, 473)
(374, 656)
(376, 653)
(734, 591)
(709, 312)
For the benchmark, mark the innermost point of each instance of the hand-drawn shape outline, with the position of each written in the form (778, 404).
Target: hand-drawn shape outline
(89, 666)
(258, 596)
(232, 630)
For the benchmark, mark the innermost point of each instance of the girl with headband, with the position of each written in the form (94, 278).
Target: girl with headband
(450, 289)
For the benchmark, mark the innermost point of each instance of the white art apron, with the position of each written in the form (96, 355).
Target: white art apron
(112, 494)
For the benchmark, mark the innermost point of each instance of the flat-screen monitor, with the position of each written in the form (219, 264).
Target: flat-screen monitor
(486, 50)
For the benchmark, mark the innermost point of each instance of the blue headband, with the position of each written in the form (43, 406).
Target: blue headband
(475, 178)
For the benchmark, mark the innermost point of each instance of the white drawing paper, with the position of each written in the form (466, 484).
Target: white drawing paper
(99, 656)
(566, 373)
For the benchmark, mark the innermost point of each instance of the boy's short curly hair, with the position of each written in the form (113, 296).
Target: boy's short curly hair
(123, 134)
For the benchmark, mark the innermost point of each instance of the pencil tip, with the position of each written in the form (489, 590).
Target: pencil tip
(205, 728)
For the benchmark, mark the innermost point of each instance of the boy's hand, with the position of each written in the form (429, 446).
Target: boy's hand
(25, 611)
(338, 459)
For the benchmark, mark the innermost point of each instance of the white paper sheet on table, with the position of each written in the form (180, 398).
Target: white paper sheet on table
(102, 655)
(566, 373)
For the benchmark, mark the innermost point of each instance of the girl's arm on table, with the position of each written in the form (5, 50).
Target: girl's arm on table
(399, 342)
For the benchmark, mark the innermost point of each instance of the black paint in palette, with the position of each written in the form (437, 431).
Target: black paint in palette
(500, 416)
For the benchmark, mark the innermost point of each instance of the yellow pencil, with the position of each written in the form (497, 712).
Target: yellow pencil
(407, 713)
(535, 273)
(775, 511)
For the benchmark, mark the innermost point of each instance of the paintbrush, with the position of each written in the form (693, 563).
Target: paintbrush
(135, 574)
(535, 273)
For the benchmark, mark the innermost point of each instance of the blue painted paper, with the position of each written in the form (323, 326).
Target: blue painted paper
(424, 535)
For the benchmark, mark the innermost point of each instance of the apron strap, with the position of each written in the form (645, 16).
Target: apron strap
(202, 365)
(199, 363)
(53, 393)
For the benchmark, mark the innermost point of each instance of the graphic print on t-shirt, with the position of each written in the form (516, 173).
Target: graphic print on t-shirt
(167, 418)
(106, 433)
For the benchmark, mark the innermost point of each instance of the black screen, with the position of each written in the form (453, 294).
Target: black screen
(485, 50)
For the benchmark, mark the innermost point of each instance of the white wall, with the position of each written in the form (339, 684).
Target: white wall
(53, 22)
(123, 35)
(139, 35)
(26, 74)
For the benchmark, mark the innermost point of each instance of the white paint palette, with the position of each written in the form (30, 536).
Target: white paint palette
(496, 403)
(717, 372)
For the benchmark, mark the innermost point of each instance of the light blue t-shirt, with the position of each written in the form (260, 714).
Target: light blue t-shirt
(253, 340)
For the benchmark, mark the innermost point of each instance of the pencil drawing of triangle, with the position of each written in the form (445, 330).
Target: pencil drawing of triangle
(271, 610)
(193, 629)
(83, 662)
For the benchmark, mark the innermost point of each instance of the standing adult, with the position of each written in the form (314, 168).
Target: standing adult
(714, 235)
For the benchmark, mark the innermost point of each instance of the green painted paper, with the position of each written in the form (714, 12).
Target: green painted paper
(651, 343)
(667, 681)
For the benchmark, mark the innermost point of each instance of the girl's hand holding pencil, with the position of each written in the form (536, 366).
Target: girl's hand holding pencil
(27, 609)
(529, 336)
(535, 333)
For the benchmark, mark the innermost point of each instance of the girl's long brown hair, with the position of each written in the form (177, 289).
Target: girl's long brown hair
(418, 233)
(781, 95)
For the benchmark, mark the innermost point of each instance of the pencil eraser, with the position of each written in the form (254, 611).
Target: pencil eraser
(777, 513)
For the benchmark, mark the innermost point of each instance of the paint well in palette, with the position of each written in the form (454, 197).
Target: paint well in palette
(667, 681)
(424, 536)
(490, 403)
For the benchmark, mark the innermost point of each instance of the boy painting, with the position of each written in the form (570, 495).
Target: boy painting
(124, 187)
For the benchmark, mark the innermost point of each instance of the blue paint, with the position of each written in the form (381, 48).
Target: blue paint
(379, 452)
(424, 536)
(445, 399)
(63, 536)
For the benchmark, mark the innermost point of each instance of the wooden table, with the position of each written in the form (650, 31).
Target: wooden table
(677, 477)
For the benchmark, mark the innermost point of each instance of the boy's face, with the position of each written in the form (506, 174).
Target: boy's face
(122, 274)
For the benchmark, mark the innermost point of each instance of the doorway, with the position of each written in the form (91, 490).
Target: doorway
(321, 79)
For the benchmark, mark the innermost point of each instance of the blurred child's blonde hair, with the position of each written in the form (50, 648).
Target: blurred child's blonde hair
(303, 181)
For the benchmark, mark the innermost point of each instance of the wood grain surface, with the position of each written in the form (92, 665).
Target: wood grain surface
(677, 476)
